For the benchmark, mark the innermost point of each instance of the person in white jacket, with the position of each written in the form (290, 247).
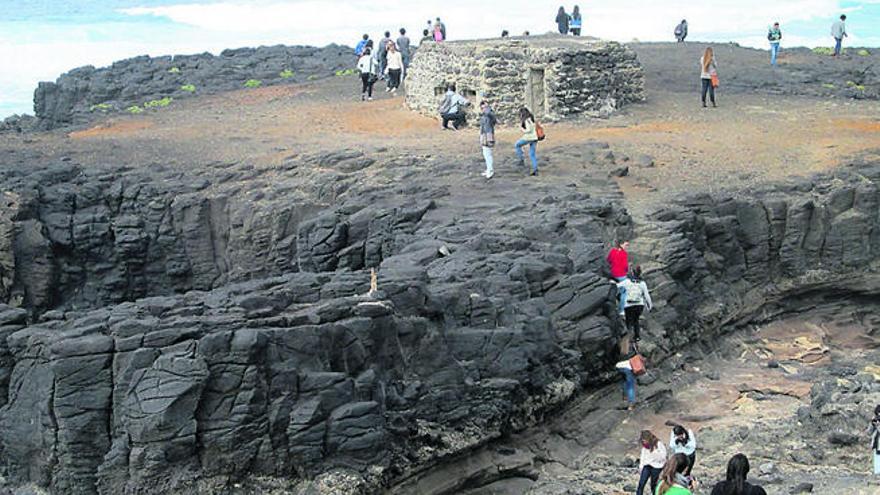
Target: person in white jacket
(637, 300)
(393, 67)
(651, 461)
(368, 67)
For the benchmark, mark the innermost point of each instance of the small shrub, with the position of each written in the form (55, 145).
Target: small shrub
(346, 72)
(174, 70)
(103, 107)
(312, 77)
(253, 83)
(286, 74)
(823, 50)
(188, 87)
(164, 102)
(134, 109)
(828, 86)
(864, 53)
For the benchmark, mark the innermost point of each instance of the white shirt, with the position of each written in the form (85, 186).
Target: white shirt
(655, 458)
(687, 449)
(367, 65)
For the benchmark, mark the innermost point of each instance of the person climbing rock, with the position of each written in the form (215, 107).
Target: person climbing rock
(403, 47)
(736, 484)
(452, 109)
(838, 32)
(487, 136)
(636, 301)
(708, 75)
(681, 31)
(530, 137)
(576, 21)
(673, 481)
(394, 67)
(875, 439)
(368, 68)
(651, 461)
(562, 20)
(623, 366)
(774, 36)
(683, 441)
(618, 266)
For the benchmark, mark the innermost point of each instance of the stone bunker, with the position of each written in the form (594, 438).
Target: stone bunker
(554, 77)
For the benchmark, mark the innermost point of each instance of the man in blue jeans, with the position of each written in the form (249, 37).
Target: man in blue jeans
(838, 31)
(774, 36)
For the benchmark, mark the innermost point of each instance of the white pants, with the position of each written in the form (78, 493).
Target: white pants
(487, 155)
(876, 463)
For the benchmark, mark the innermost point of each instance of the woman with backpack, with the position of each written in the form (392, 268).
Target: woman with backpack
(708, 75)
(624, 367)
(651, 461)
(367, 66)
(736, 484)
(672, 478)
(637, 300)
(530, 137)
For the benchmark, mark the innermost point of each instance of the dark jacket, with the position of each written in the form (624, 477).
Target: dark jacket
(748, 489)
(487, 122)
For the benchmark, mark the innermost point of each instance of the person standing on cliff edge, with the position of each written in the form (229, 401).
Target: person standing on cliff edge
(838, 32)
(576, 21)
(562, 20)
(681, 31)
(774, 36)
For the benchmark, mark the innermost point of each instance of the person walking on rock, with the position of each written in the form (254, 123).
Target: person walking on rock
(708, 75)
(673, 481)
(875, 439)
(774, 36)
(359, 49)
(529, 137)
(624, 367)
(636, 301)
(838, 32)
(651, 461)
(682, 441)
(736, 484)
(562, 20)
(487, 137)
(576, 21)
(403, 47)
(382, 50)
(394, 67)
(368, 69)
(452, 109)
(681, 31)
(618, 265)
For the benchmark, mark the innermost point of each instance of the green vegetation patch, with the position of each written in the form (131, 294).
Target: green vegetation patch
(188, 87)
(100, 107)
(346, 72)
(174, 70)
(823, 50)
(134, 109)
(828, 86)
(864, 53)
(312, 77)
(253, 83)
(286, 74)
(164, 102)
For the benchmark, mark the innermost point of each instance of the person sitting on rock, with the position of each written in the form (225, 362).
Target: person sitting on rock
(637, 299)
(736, 484)
(681, 31)
(618, 264)
(673, 481)
(875, 439)
(452, 109)
(682, 441)
(651, 461)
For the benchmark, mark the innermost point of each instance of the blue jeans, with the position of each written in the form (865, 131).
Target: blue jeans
(648, 472)
(533, 145)
(837, 43)
(774, 52)
(629, 384)
(621, 295)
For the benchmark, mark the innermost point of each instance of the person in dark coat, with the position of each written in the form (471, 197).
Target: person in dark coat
(562, 20)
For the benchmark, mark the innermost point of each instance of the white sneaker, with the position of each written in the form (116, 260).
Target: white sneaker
(370, 99)
(483, 173)
(489, 176)
(393, 90)
(387, 90)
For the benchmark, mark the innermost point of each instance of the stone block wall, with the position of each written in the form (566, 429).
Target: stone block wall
(569, 76)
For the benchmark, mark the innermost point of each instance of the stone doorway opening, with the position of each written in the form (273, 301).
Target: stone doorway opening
(535, 96)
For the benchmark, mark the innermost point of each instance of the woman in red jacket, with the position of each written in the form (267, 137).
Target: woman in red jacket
(618, 261)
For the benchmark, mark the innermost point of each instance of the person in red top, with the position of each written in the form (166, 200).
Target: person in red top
(618, 261)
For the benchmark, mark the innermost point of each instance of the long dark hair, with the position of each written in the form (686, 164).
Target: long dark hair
(737, 470)
(577, 12)
(524, 115)
(674, 465)
(636, 274)
(681, 430)
(561, 10)
(647, 437)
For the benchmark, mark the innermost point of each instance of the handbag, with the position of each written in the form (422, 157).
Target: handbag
(637, 363)
(715, 80)
(539, 131)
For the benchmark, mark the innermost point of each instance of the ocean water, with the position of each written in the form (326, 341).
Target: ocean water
(40, 39)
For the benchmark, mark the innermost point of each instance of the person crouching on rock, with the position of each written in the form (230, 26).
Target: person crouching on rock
(394, 67)
(452, 109)
(736, 484)
(618, 265)
(875, 439)
(487, 136)
(530, 137)
(637, 299)
(682, 441)
(368, 67)
(651, 461)
(627, 352)
(673, 481)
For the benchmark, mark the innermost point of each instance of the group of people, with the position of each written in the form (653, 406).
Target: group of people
(389, 61)
(569, 22)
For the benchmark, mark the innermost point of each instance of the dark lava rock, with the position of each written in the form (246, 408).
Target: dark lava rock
(801, 488)
(842, 439)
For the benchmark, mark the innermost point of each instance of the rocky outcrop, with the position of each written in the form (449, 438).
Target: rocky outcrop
(87, 93)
